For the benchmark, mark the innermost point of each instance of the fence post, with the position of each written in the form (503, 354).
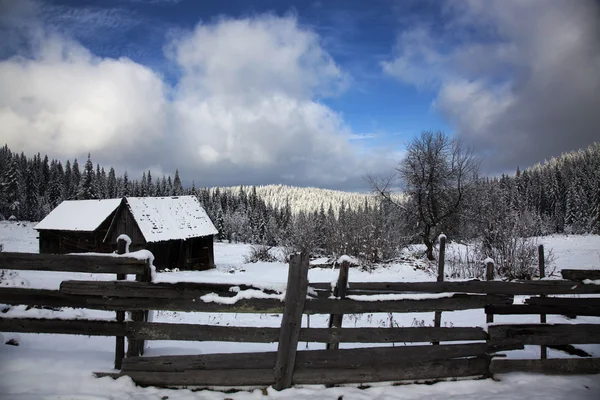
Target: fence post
(542, 265)
(136, 347)
(120, 341)
(437, 319)
(335, 320)
(291, 320)
(489, 276)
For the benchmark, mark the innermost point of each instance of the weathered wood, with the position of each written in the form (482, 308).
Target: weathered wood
(60, 326)
(120, 339)
(71, 263)
(345, 358)
(39, 297)
(54, 298)
(433, 370)
(291, 321)
(465, 367)
(136, 346)
(474, 286)
(489, 276)
(580, 274)
(201, 378)
(391, 335)
(542, 309)
(542, 268)
(560, 366)
(335, 320)
(185, 290)
(564, 301)
(547, 334)
(169, 331)
(437, 317)
(455, 303)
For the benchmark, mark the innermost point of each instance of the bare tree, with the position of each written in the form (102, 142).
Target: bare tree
(436, 173)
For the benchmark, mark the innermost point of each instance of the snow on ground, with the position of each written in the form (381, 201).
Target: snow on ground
(61, 366)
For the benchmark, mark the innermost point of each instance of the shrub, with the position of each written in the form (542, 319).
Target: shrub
(260, 253)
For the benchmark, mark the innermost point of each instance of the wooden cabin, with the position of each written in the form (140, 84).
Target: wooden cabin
(77, 226)
(176, 230)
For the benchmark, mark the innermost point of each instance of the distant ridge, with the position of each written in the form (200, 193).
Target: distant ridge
(307, 199)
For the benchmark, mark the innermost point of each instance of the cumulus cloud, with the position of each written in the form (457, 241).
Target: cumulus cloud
(247, 98)
(245, 109)
(523, 88)
(66, 101)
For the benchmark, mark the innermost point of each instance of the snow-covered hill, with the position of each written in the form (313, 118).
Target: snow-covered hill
(307, 199)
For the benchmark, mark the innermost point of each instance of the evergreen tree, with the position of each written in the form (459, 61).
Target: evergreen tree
(177, 188)
(87, 187)
(111, 184)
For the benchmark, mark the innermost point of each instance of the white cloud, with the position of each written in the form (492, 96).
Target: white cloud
(247, 99)
(245, 109)
(65, 101)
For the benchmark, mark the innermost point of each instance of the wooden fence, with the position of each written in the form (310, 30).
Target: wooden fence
(474, 356)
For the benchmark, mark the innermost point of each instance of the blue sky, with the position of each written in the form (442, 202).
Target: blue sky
(317, 93)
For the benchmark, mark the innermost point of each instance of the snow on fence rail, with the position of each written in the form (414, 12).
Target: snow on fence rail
(287, 366)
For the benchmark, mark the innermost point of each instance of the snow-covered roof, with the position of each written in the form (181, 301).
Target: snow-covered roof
(170, 218)
(78, 215)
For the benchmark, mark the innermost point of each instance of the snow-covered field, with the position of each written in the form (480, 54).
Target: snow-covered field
(61, 366)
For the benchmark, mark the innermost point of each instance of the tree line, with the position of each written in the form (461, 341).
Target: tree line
(561, 195)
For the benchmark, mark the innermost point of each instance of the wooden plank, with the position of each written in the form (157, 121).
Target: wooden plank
(437, 316)
(335, 320)
(564, 301)
(120, 340)
(15, 296)
(135, 347)
(201, 378)
(474, 286)
(291, 321)
(170, 331)
(553, 366)
(54, 298)
(60, 326)
(426, 371)
(344, 358)
(39, 297)
(489, 276)
(391, 335)
(455, 303)
(546, 334)
(542, 268)
(542, 309)
(71, 263)
(186, 290)
(433, 370)
(580, 274)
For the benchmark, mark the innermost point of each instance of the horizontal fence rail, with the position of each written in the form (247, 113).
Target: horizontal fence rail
(545, 334)
(53, 298)
(484, 287)
(193, 332)
(419, 370)
(580, 274)
(554, 366)
(72, 263)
